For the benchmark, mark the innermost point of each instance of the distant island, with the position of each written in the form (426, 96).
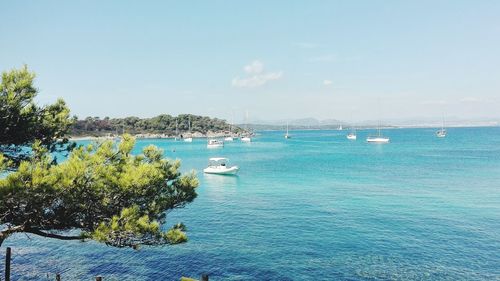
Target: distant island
(161, 126)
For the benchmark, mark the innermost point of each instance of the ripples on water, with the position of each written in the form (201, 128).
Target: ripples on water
(315, 207)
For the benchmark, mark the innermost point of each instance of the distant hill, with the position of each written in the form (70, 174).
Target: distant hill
(162, 124)
(333, 124)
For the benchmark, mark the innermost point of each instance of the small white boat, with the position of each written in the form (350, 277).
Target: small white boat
(340, 128)
(246, 139)
(215, 143)
(351, 136)
(228, 139)
(188, 139)
(220, 166)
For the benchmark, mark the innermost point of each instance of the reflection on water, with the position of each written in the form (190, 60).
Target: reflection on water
(219, 187)
(220, 181)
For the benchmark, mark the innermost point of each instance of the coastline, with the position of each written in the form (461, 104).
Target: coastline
(196, 135)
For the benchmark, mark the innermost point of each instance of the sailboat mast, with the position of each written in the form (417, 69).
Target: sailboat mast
(246, 120)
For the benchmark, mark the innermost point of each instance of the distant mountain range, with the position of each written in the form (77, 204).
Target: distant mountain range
(327, 124)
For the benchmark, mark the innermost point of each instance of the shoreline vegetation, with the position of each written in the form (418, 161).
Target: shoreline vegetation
(161, 126)
(165, 127)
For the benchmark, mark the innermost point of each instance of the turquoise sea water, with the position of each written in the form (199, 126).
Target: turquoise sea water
(315, 207)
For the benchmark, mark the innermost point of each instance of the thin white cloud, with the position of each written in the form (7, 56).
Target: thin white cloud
(255, 67)
(306, 45)
(327, 82)
(256, 76)
(256, 80)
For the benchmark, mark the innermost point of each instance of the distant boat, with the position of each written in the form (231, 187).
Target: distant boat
(190, 139)
(230, 137)
(219, 166)
(215, 143)
(340, 128)
(246, 138)
(378, 138)
(352, 134)
(441, 133)
(176, 130)
(287, 135)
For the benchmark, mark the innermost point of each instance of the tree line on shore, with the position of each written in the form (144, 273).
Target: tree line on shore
(161, 124)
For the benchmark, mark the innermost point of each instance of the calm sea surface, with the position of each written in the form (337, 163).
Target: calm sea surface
(315, 207)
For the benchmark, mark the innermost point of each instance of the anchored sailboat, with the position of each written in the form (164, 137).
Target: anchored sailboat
(378, 138)
(441, 133)
(190, 139)
(246, 138)
(352, 134)
(287, 135)
(230, 137)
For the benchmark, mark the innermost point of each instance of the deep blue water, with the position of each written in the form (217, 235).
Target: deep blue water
(315, 207)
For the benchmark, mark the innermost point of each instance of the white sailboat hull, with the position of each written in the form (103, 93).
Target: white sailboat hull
(246, 139)
(351, 137)
(441, 133)
(377, 140)
(215, 145)
(228, 139)
(188, 139)
(222, 170)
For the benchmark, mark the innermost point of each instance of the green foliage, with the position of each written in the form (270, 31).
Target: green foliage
(22, 122)
(102, 191)
(162, 124)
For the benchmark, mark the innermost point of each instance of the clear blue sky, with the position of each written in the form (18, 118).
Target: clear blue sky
(277, 59)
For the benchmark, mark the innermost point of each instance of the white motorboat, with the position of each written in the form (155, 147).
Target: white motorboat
(351, 136)
(219, 165)
(188, 139)
(246, 139)
(228, 139)
(215, 143)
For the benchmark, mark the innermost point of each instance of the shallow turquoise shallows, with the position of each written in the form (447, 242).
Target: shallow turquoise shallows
(315, 207)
